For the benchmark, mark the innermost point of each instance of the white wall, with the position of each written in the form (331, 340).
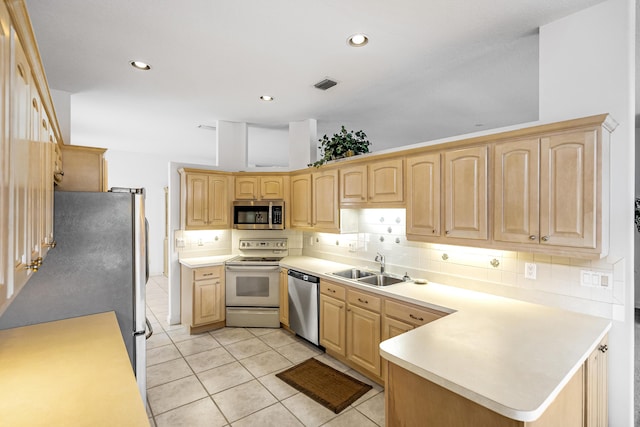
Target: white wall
(267, 147)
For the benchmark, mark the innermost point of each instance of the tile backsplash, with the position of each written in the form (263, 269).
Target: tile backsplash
(557, 283)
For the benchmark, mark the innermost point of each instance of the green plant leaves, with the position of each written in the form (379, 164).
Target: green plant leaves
(342, 144)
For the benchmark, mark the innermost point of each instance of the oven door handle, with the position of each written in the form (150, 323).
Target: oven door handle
(259, 268)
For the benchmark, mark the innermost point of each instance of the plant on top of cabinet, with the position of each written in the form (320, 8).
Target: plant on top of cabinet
(343, 144)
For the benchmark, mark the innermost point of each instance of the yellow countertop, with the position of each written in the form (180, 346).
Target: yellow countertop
(72, 372)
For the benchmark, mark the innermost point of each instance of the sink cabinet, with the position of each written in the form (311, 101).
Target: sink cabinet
(363, 330)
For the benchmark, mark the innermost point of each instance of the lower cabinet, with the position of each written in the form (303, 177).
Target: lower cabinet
(284, 297)
(596, 390)
(333, 318)
(202, 302)
(363, 330)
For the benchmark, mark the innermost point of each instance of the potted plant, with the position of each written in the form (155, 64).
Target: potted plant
(342, 144)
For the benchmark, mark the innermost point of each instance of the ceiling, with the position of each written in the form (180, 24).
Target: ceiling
(432, 68)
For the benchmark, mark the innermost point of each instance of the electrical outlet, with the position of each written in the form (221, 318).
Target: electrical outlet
(352, 247)
(530, 270)
(179, 243)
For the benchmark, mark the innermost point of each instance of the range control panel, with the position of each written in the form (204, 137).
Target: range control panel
(273, 244)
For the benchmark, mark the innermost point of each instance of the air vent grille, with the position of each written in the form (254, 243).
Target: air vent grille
(325, 84)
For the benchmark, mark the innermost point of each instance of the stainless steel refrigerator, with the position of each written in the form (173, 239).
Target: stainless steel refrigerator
(99, 264)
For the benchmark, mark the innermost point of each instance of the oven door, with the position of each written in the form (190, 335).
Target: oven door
(252, 285)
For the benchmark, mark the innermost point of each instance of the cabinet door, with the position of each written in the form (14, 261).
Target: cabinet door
(301, 201)
(596, 389)
(353, 184)
(568, 191)
(394, 327)
(516, 184)
(363, 338)
(246, 188)
(284, 297)
(218, 201)
(271, 187)
(332, 324)
(423, 195)
(386, 181)
(197, 200)
(465, 186)
(208, 301)
(325, 209)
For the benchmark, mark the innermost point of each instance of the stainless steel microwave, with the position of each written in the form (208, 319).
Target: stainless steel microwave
(258, 215)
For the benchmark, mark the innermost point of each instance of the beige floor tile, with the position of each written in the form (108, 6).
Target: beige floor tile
(180, 334)
(168, 371)
(247, 348)
(298, 352)
(201, 413)
(350, 418)
(265, 363)
(311, 413)
(226, 336)
(199, 344)
(224, 377)
(277, 387)
(209, 359)
(158, 339)
(328, 360)
(273, 416)
(243, 400)
(373, 408)
(261, 331)
(278, 338)
(162, 354)
(177, 393)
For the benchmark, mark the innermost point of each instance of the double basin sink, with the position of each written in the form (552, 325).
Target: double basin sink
(368, 277)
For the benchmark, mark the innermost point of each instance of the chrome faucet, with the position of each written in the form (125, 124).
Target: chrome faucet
(380, 259)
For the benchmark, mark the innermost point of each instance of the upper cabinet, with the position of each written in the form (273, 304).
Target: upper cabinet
(84, 169)
(423, 195)
(465, 193)
(259, 187)
(377, 183)
(204, 200)
(314, 201)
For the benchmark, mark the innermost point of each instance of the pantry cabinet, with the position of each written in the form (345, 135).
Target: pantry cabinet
(262, 187)
(314, 201)
(204, 200)
(423, 195)
(465, 193)
(202, 298)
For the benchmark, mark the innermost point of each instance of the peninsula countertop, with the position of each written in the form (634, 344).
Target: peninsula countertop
(510, 356)
(72, 372)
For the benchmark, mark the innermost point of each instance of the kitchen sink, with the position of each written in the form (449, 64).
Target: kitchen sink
(380, 280)
(353, 273)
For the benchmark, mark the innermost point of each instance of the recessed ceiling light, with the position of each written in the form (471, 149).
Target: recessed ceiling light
(358, 40)
(266, 98)
(140, 65)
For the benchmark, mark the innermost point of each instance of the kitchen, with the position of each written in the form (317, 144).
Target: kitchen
(325, 244)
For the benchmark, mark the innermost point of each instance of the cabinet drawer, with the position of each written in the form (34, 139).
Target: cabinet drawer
(364, 300)
(207, 273)
(411, 314)
(332, 290)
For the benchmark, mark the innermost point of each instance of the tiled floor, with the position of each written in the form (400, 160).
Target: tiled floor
(227, 377)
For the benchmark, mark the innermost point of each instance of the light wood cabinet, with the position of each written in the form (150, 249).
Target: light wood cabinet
(284, 297)
(465, 193)
(314, 201)
(375, 183)
(84, 169)
(596, 386)
(333, 318)
(5, 155)
(400, 317)
(423, 195)
(204, 200)
(262, 187)
(363, 330)
(202, 298)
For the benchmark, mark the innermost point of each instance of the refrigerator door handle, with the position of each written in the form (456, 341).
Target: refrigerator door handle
(149, 329)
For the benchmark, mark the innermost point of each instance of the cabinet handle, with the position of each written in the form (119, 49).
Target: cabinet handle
(603, 348)
(416, 318)
(331, 290)
(447, 232)
(532, 237)
(208, 274)
(545, 238)
(364, 301)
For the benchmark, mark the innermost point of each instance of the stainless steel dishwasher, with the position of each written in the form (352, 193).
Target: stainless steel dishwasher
(303, 305)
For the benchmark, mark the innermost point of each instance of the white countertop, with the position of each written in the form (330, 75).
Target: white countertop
(510, 356)
(205, 261)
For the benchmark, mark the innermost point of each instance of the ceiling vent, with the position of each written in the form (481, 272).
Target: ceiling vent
(325, 84)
